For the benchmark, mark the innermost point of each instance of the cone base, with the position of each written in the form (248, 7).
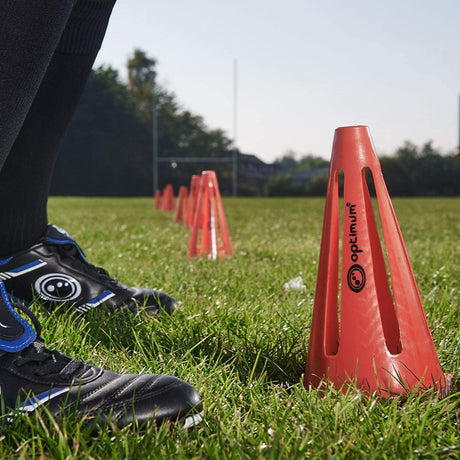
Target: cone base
(443, 387)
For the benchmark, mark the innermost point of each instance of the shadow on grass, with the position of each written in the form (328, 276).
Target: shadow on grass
(276, 355)
(279, 356)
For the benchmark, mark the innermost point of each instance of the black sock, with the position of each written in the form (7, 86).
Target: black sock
(26, 174)
(29, 34)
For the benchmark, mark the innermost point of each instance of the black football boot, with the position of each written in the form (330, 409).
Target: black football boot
(56, 270)
(31, 375)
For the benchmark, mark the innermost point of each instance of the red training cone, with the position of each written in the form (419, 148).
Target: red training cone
(209, 217)
(382, 344)
(191, 201)
(167, 203)
(157, 203)
(181, 207)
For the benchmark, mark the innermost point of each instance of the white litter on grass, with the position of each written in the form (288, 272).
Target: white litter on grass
(295, 284)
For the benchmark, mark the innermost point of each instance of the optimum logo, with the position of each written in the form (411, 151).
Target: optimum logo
(356, 276)
(57, 287)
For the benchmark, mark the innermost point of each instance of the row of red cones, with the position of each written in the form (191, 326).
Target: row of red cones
(202, 211)
(380, 338)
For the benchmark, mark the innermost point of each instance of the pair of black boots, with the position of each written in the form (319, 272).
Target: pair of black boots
(56, 270)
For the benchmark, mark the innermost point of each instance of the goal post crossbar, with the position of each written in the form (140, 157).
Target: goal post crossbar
(194, 159)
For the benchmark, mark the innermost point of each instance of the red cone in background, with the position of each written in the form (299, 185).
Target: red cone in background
(157, 203)
(167, 203)
(181, 207)
(383, 342)
(191, 201)
(210, 218)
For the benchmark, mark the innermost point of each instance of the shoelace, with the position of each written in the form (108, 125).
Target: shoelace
(44, 360)
(70, 252)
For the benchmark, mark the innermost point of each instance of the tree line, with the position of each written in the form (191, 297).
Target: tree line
(410, 171)
(108, 148)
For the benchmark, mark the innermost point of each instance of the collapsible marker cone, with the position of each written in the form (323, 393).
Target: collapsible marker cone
(181, 207)
(167, 202)
(157, 203)
(382, 344)
(210, 218)
(191, 201)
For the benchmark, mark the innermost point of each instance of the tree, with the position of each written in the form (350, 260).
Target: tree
(107, 148)
(141, 74)
(288, 162)
(308, 162)
(420, 171)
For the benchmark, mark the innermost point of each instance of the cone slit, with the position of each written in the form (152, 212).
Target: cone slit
(384, 292)
(330, 297)
(340, 195)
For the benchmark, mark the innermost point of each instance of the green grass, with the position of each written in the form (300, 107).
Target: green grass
(242, 339)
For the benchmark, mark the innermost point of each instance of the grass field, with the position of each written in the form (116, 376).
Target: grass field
(242, 339)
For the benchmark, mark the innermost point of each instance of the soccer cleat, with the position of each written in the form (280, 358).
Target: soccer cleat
(31, 375)
(56, 270)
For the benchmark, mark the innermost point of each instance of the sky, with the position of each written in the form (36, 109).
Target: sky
(304, 68)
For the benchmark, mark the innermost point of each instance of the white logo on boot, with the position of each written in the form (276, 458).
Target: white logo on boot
(57, 287)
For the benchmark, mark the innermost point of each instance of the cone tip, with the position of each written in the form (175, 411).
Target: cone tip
(352, 128)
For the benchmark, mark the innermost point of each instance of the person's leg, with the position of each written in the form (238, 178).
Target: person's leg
(29, 34)
(26, 174)
(31, 374)
(63, 273)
